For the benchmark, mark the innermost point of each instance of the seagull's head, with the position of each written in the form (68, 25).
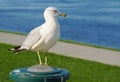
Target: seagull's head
(53, 12)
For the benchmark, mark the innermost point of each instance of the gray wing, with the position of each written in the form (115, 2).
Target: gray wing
(31, 39)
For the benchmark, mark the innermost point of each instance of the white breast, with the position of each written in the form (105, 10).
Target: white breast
(50, 35)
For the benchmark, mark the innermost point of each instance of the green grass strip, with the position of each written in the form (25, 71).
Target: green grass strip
(5, 31)
(90, 45)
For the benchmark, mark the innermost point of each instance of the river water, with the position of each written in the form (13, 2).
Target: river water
(90, 21)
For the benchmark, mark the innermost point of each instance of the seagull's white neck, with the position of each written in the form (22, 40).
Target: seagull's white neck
(51, 20)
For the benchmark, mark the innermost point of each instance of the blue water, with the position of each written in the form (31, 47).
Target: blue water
(90, 21)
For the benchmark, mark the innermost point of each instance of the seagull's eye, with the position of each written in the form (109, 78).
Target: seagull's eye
(55, 11)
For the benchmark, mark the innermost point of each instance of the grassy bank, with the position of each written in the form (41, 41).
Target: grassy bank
(90, 45)
(81, 70)
(5, 31)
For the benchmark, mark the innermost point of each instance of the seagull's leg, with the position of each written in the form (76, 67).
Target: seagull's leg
(46, 59)
(39, 57)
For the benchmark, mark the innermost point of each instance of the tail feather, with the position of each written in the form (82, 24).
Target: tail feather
(16, 49)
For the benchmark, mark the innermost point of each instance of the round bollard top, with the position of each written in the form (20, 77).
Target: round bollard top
(39, 73)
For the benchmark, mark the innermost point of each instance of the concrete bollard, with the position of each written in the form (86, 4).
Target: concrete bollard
(39, 73)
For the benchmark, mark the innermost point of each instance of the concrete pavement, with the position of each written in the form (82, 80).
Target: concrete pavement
(72, 50)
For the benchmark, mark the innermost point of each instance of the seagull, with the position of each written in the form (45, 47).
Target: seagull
(43, 37)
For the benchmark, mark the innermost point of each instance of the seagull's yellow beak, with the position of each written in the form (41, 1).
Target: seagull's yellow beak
(63, 14)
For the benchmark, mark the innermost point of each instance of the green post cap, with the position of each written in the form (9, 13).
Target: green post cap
(40, 73)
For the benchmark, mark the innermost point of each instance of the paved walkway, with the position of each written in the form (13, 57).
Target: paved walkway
(73, 50)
